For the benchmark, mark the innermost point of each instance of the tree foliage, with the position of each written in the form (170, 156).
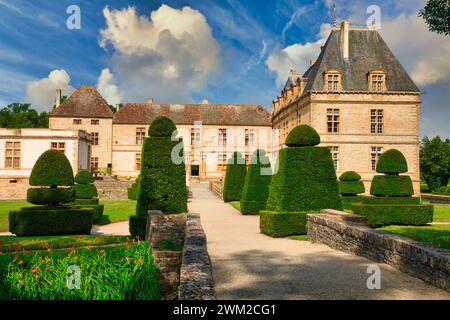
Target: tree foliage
(21, 115)
(436, 13)
(435, 162)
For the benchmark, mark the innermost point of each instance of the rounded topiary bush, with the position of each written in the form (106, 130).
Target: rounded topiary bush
(234, 178)
(161, 127)
(303, 136)
(392, 162)
(84, 177)
(256, 185)
(350, 176)
(52, 169)
(50, 196)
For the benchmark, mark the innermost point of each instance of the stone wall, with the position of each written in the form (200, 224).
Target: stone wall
(216, 186)
(166, 227)
(196, 280)
(349, 233)
(436, 198)
(112, 189)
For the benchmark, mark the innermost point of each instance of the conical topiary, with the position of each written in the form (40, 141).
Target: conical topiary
(305, 182)
(52, 169)
(234, 178)
(163, 180)
(350, 184)
(392, 163)
(256, 186)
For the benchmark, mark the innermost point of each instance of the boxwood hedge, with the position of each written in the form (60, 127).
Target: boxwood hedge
(234, 178)
(50, 196)
(392, 186)
(256, 185)
(52, 169)
(282, 224)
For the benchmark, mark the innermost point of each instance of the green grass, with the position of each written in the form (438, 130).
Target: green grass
(236, 205)
(441, 213)
(115, 211)
(13, 244)
(436, 235)
(303, 237)
(126, 272)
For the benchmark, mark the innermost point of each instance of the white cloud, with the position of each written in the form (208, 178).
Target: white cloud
(423, 53)
(296, 56)
(41, 93)
(167, 56)
(108, 89)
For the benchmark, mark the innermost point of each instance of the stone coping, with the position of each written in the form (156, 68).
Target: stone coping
(351, 235)
(196, 280)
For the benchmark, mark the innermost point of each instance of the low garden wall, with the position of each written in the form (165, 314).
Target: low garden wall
(216, 186)
(436, 198)
(349, 233)
(196, 280)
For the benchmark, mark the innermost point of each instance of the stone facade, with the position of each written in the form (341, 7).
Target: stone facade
(349, 233)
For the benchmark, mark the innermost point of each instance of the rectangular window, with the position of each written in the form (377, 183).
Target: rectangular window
(222, 162)
(222, 137)
(249, 137)
(376, 121)
(195, 137)
(12, 155)
(299, 118)
(375, 154)
(94, 163)
(76, 121)
(333, 120)
(138, 162)
(335, 156)
(94, 138)
(60, 146)
(333, 82)
(95, 122)
(140, 136)
(377, 82)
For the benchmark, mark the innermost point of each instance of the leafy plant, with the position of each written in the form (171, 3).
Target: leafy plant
(435, 162)
(234, 178)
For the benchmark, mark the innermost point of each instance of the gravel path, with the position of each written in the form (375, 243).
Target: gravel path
(249, 265)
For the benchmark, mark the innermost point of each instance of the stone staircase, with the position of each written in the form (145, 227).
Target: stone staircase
(111, 188)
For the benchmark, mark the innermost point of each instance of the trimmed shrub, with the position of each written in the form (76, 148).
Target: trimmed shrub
(391, 200)
(348, 201)
(350, 176)
(380, 215)
(392, 186)
(132, 191)
(234, 178)
(37, 221)
(303, 136)
(138, 226)
(86, 202)
(52, 169)
(85, 191)
(282, 224)
(96, 211)
(351, 188)
(392, 162)
(84, 177)
(256, 185)
(50, 196)
(306, 181)
(163, 182)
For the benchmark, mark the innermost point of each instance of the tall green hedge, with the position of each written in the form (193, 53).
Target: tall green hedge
(234, 178)
(132, 191)
(256, 185)
(163, 181)
(305, 182)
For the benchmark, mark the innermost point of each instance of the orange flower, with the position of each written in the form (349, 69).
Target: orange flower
(47, 259)
(37, 276)
(34, 269)
(21, 262)
(102, 251)
(88, 247)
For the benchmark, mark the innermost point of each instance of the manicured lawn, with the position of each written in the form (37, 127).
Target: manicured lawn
(12, 243)
(115, 211)
(437, 235)
(441, 213)
(303, 237)
(236, 205)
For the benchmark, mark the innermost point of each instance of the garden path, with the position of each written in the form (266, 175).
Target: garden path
(250, 265)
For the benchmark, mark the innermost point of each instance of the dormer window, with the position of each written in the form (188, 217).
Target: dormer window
(377, 81)
(333, 81)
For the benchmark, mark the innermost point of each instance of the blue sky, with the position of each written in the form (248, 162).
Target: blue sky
(231, 51)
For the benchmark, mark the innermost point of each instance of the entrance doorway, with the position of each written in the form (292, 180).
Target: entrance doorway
(195, 170)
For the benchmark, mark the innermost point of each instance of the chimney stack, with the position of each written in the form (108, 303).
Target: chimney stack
(345, 40)
(205, 101)
(150, 100)
(58, 98)
(117, 107)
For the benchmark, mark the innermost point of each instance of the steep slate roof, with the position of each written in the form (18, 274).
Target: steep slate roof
(367, 52)
(86, 102)
(209, 114)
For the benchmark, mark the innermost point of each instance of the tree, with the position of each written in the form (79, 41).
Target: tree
(234, 178)
(437, 15)
(435, 162)
(21, 115)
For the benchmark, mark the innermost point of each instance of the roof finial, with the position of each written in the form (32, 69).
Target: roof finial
(334, 16)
